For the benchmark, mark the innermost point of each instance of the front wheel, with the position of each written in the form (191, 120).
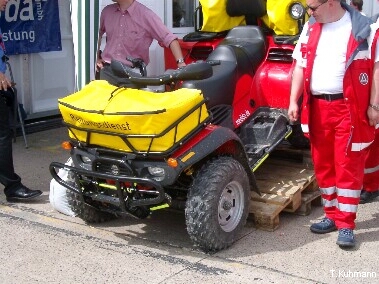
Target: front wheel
(218, 204)
(86, 212)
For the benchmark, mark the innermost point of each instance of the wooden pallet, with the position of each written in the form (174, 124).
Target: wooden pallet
(287, 184)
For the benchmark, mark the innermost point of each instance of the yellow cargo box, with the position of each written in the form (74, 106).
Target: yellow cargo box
(132, 120)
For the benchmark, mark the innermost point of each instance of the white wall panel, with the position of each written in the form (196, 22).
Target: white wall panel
(44, 77)
(370, 7)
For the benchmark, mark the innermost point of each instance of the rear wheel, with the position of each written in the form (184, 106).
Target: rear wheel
(218, 204)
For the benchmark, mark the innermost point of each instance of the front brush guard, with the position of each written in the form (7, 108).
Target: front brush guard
(122, 202)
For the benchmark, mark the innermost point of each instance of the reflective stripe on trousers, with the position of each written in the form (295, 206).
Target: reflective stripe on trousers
(371, 178)
(339, 172)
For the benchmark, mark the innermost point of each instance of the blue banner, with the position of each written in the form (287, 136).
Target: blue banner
(31, 26)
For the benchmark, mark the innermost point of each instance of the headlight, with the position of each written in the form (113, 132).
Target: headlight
(85, 159)
(296, 10)
(115, 170)
(157, 173)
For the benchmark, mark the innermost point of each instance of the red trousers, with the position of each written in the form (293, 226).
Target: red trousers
(339, 172)
(371, 177)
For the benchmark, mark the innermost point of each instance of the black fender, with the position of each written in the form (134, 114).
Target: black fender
(211, 142)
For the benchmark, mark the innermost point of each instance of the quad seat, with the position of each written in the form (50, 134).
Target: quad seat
(241, 52)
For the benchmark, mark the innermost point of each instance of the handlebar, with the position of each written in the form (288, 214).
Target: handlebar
(193, 71)
(138, 63)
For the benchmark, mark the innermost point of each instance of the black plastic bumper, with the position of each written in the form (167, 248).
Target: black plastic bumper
(121, 201)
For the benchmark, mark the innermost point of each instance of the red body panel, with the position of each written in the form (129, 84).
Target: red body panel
(272, 82)
(268, 87)
(194, 140)
(192, 51)
(242, 108)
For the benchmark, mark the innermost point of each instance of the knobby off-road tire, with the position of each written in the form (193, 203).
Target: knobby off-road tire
(218, 204)
(87, 213)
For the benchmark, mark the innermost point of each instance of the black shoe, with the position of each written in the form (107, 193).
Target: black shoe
(22, 193)
(368, 196)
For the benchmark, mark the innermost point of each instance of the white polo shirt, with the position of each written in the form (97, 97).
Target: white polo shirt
(330, 61)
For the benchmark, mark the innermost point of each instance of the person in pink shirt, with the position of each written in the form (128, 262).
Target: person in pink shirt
(130, 29)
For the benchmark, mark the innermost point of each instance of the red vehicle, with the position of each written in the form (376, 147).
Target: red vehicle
(208, 171)
(267, 83)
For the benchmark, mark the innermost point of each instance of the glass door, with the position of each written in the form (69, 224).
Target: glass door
(180, 15)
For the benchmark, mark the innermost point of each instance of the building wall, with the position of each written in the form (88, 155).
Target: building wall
(42, 78)
(85, 17)
(370, 7)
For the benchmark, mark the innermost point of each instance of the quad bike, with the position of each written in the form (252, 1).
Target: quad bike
(209, 170)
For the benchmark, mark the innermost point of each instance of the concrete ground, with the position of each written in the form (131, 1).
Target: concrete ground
(42, 245)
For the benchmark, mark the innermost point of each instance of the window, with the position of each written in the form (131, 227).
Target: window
(180, 15)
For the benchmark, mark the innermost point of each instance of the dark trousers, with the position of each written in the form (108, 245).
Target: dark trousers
(8, 177)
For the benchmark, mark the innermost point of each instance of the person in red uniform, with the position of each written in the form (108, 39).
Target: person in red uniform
(334, 75)
(371, 178)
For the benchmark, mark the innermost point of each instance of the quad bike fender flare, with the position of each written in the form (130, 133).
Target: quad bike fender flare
(215, 141)
(119, 179)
